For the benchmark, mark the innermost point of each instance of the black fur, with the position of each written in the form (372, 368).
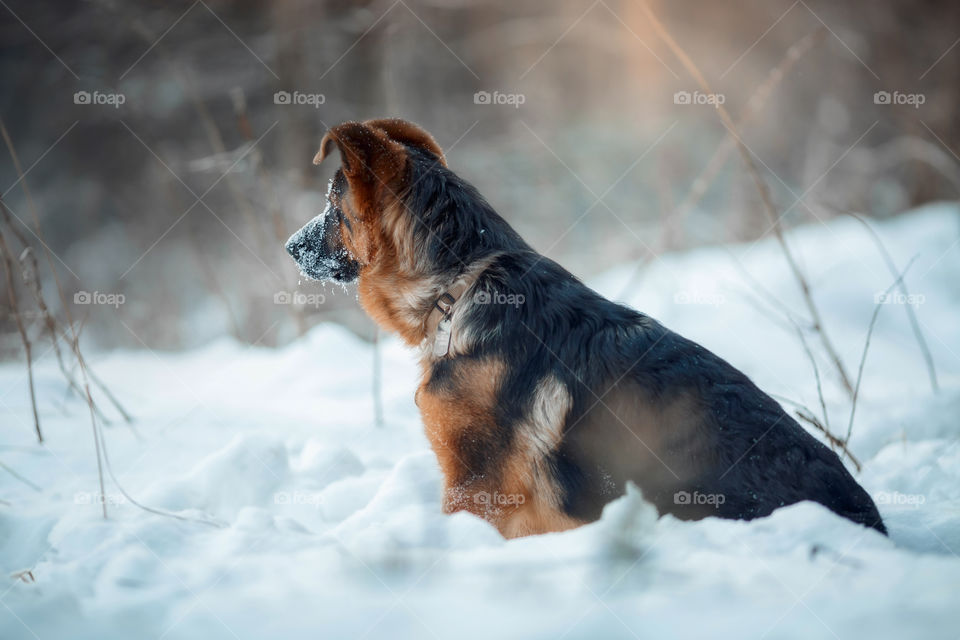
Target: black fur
(739, 443)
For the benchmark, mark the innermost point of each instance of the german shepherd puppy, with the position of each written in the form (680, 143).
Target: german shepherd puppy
(541, 398)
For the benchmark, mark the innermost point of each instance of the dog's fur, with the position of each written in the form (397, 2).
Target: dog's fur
(543, 408)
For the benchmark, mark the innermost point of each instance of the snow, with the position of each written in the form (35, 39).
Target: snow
(331, 526)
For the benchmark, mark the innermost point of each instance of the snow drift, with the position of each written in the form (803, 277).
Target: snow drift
(331, 527)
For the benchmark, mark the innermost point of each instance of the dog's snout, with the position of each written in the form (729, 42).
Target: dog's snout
(294, 247)
(318, 251)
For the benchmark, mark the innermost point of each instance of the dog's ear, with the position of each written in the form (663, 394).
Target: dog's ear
(410, 134)
(365, 152)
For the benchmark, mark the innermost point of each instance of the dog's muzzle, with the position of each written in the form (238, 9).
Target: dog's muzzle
(318, 250)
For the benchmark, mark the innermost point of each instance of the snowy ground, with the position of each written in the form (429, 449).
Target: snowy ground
(331, 527)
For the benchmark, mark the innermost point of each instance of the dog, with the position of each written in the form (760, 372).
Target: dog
(541, 398)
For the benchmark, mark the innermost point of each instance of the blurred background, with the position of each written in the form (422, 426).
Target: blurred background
(165, 147)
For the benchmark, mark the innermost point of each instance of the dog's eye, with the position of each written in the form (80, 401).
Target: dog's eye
(344, 220)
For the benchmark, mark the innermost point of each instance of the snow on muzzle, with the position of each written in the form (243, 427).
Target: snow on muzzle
(318, 249)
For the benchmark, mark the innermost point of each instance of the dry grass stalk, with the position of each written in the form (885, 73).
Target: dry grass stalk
(835, 442)
(21, 328)
(866, 348)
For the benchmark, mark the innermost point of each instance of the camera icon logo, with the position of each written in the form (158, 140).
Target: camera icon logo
(482, 297)
(82, 297)
(282, 297)
(81, 97)
(281, 97)
(681, 97)
(681, 497)
(482, 97)
(881, 97)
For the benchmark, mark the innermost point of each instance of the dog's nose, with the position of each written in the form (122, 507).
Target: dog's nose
(293, 248)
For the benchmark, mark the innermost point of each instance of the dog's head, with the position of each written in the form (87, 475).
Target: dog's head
(364, 216)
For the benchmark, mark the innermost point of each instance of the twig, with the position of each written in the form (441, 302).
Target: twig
(30, 278)
(19, 477)
(160, 512)
(113, 399)
(835, 442)
(15, 305)
(761, 307)
(25, 575)
(765, 198)
(914, 324)
(866, 346)
(807, 416)
(774, 300)
(816, 375)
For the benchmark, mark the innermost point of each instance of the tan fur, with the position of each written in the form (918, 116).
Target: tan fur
(527, 472)
(458, 422)
(461, 418)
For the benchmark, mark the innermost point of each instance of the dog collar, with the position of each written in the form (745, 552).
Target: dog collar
(440, 320)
